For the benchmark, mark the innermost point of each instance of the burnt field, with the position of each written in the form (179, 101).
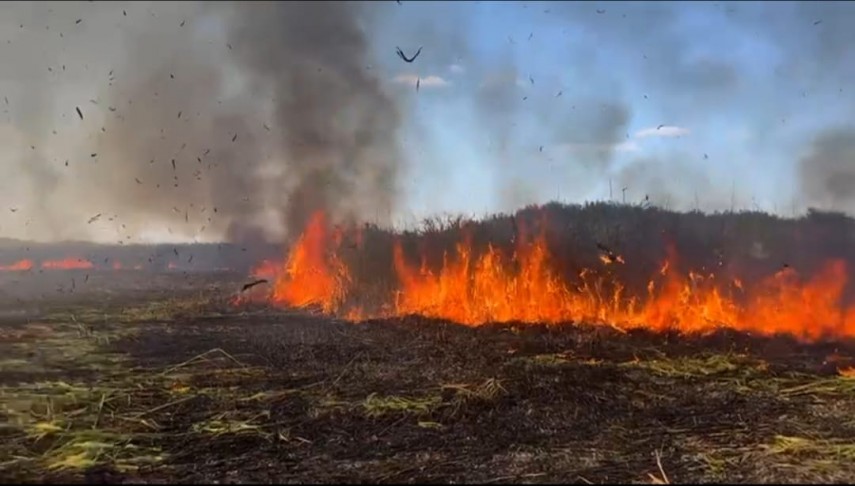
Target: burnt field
(156, 377)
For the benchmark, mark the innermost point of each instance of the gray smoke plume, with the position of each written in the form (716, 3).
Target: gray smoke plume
(827, 171)
(310, 130)
(338, 128)
(222, 119)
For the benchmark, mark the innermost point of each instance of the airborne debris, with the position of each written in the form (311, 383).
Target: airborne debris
(94, 218)
(405, 58)
(250, 285)
(79, 113)
(78, 21)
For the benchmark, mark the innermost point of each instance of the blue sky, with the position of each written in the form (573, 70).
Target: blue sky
(752, 112)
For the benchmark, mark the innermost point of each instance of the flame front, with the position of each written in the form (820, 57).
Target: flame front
(523, 286)
(313, 274)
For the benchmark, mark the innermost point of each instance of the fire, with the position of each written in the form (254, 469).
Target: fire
(523, 286)
(67, 264)
(313, 274)
(19, 266)
(265, 269)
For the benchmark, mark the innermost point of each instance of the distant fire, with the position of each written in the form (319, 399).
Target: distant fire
(19, 266)
(63, 264)
(67, 264)
(523, 286)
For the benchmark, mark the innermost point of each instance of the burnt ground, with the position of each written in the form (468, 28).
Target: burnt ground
(155, 378)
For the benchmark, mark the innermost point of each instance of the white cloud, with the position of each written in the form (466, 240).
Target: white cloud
(628, 146)
(662, 131)
(426, 82)
(456, 69)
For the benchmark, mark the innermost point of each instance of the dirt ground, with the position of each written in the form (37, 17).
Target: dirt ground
(155, 378)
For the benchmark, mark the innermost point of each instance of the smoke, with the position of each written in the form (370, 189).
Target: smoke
(326, 142)
(237, 120)
(338, 128)
(221, 119)
(826, 172)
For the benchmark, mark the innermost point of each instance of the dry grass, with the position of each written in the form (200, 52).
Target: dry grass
(708, 416)
(377, 406)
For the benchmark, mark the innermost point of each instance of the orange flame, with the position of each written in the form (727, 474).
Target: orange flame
(67, 264)
(494, 287)
(312, 275)
(19, 266)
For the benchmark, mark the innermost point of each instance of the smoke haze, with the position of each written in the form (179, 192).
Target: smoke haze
(236, 120)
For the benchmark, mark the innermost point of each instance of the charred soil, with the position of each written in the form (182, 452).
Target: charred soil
(152, 387)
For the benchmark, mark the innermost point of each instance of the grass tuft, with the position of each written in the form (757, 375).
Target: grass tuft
(376, 406)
